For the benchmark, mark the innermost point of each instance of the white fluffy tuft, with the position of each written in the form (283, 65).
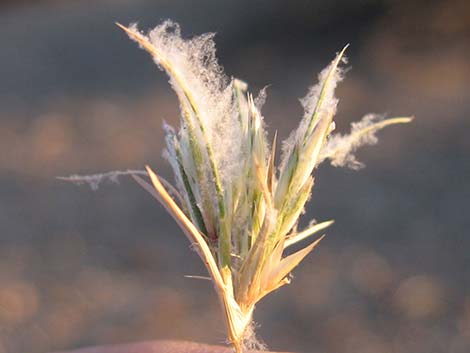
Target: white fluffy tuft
(95, 180)
(310, 103)
(195, 63)
(340, 148)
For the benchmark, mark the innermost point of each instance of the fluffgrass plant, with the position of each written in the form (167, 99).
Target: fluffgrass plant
(235, 206)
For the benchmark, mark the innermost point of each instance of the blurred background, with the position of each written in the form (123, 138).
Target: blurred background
(81, 267)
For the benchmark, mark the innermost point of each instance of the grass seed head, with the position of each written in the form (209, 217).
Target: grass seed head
(233, 204)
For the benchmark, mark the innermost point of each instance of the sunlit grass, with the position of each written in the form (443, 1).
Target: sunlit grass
(238, 208)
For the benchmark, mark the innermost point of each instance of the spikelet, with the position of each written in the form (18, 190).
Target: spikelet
(232, 203)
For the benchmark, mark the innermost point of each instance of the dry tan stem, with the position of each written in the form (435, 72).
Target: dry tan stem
(236, 320)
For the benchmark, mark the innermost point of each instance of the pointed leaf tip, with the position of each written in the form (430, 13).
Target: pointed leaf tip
(124, 28)
(287, 264)
(297, 237)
